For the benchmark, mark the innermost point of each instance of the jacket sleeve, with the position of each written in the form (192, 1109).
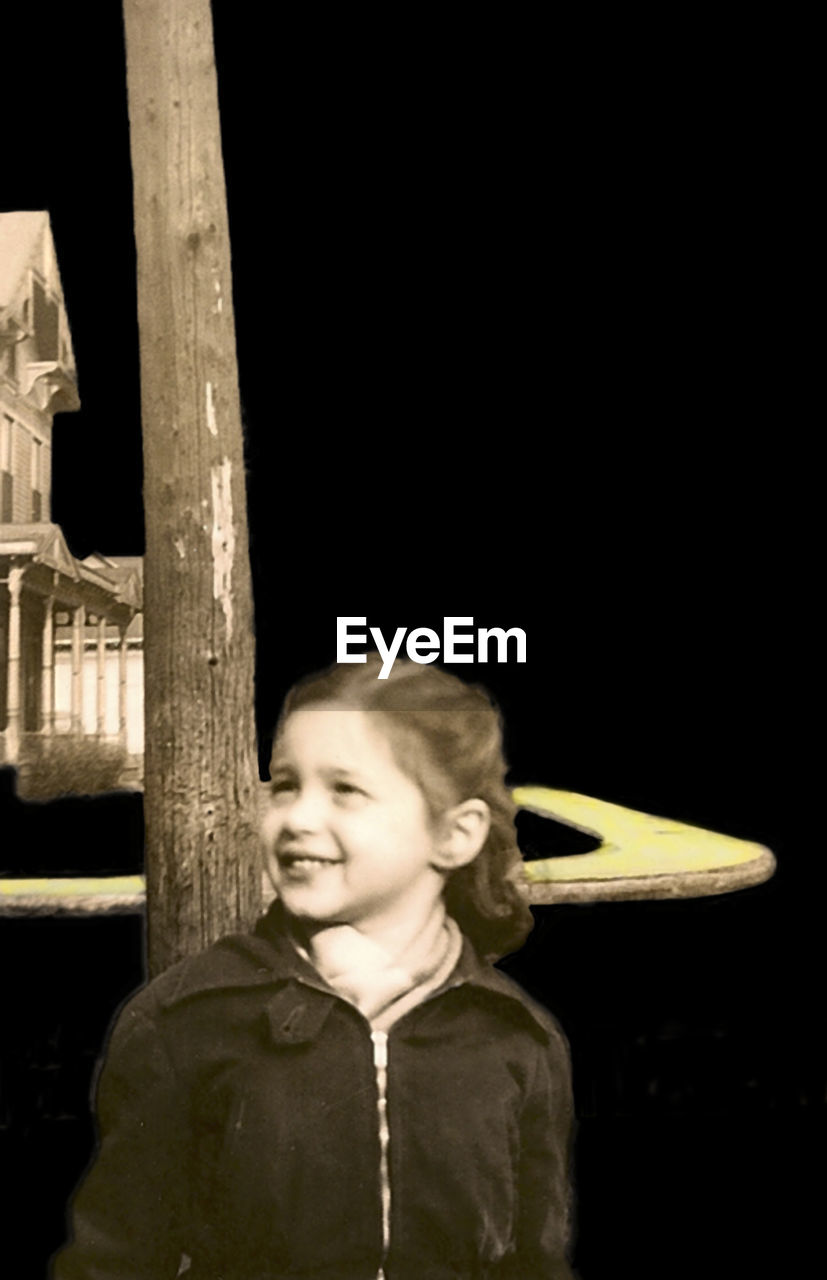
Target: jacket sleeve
(545, 1194)
(127, 1216)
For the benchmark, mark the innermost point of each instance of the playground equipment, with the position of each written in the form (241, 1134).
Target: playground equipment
(640, 856)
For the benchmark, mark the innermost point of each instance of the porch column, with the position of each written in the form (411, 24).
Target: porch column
(47, 720)
(78, 625)
(14, 697)
(101, 655)
(122, 685)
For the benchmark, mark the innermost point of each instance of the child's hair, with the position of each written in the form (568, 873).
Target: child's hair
(447, 736)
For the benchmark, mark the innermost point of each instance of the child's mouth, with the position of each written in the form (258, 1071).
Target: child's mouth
(304, 862)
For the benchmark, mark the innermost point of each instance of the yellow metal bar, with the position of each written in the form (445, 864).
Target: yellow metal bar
(77, 896)
(641, 856)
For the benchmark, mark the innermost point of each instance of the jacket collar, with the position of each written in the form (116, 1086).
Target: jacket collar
(263, 958)
(267, 958)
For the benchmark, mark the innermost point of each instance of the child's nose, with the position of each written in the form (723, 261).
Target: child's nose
(303, 812)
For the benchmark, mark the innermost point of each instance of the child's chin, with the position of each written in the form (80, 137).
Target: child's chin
(304, 907)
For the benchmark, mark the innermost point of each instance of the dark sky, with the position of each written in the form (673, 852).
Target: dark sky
(505, 349)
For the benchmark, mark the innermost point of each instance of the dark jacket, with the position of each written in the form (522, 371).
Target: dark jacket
(239, 1129)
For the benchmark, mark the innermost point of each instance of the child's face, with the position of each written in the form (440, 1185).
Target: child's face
(348, 836)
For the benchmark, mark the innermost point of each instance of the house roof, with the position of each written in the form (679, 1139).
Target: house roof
(122, 578)
(43, 542)
(21, 242)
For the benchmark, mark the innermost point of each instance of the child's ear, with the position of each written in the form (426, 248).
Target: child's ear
(461, 834)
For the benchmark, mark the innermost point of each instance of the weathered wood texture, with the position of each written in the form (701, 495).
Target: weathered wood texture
(202, 855)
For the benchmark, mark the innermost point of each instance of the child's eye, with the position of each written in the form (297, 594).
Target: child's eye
(346, 789)
(281, 785)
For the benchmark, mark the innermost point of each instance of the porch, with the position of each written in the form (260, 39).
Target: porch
(71, 661)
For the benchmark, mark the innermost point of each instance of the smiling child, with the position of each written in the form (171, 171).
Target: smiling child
(351, 1092)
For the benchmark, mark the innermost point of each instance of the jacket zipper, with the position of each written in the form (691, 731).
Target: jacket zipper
(379, 1040)
(380, 1065)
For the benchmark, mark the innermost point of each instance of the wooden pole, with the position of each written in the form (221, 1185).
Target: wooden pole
(202, 854)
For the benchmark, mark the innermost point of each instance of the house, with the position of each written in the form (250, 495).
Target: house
(71, 651)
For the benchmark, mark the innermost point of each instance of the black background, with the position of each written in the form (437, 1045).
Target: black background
(512, 344)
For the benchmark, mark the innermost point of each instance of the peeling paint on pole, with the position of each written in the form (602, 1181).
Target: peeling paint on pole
(212, 425)
(223, 540)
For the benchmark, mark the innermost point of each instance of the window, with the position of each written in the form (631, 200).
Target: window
(37, 473)
(6, 438)
(8, 359)
(6, 485)
(46, 318)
